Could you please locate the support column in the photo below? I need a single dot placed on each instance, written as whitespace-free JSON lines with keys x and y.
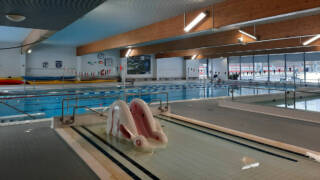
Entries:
{"x":304,"y":67}
{"x":155,"y":69}
{"x":228,"y":70}
{"x":285,"y":66}
{"x":123,"y":73}
{"x":240,"y":76}
{"x":254,"y":68}
{"x":185,"y":69}
{"x":268,"y":59}
{"x":79,"y":67}
{"x":23,"y":64}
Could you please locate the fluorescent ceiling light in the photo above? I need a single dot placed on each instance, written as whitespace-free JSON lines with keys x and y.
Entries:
{"x":195,"y":21}
{"x":247,"y":34}
{"x":15,"y":17}
{"x":128,"y":52}
{"x":311,"y":40}
{"x":194,"y":56}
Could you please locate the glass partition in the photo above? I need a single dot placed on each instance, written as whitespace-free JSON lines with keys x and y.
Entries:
{"x":295,"y":66}
{"x":261,"y":68}
{"x":277,"y":68}
{"x":234,"y":68}
{"x":298,"y":67}
{"x":246,"y":67}
{"x":312,"y":67}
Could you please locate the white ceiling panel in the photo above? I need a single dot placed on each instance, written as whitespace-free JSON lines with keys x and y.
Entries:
{"x":13,"y":34}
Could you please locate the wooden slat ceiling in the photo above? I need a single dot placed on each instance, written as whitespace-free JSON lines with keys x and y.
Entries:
{"x":224,"y":13}
{"x":269,"y":35}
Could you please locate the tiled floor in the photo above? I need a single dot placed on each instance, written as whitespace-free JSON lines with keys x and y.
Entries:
{"x":34,"y":151}
{"x":286,"y":130}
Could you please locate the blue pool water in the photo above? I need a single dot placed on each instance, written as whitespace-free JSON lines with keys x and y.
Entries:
{"x":50,"y":102}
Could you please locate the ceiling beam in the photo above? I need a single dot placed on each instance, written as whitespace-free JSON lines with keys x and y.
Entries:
{"x":35,"y":37}
{"x":270,"y":36}
{"x":271,"y":47}
{"x":217,"y":39}
{"x":235,"y":11}
{"x":259,"y":45}
{"x":221,"y":14}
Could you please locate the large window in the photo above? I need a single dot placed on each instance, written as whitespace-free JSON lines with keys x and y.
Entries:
{"x":312,"y":67}
{"x":261,"y":68}
{"x":246,"y":67}
{"x":277,"y":68}
{"x":298,"y":67}
{"x":295,"y":65}
{"x":234,"y":68}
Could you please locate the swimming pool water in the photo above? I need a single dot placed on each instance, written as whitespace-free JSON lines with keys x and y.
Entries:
{"x":50,"y":102}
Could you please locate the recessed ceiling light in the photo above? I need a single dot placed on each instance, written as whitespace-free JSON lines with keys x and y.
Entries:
{"x":29,"y":51}
{"x":15,"y":17}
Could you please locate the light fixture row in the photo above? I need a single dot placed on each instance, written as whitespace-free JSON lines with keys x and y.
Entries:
{"x":202,"y":15}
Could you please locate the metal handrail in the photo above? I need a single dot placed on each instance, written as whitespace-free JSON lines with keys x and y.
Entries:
{"x":81,"y":98}
{"x":152,"y":93}
{"x":286,"y":93}
{"x":292,"y":90}
{"x":77,"y":107}
{"x":295,"y":82}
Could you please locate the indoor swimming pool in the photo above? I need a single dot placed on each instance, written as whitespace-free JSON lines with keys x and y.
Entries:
{"x":195,"y":152}
{"x":22,"y":105}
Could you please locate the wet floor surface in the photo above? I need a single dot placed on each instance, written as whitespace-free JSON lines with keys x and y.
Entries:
{"x":299,"y":133}
{"x":35,"y":151}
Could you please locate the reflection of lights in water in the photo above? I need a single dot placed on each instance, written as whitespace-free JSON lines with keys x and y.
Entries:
{"x":249,"y":163}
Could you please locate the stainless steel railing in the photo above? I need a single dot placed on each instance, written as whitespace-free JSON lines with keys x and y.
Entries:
{"x":152,"y":100}
{"x":66,"y":102}
{"x":76,"y":106}
{"x":288,"y":94}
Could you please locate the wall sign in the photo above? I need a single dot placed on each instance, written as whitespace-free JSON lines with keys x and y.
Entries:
{"x":100,"y":56}
{"x":59,"y":64}
{"x":108,"y":61}
{"x":45,"y":65}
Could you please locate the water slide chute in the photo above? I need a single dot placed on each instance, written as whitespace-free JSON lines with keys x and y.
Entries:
{"x":134,"y":123}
